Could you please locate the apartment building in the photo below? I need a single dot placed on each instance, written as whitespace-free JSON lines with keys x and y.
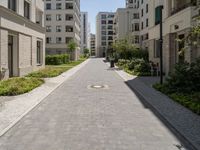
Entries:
{"x":104,"y":33}
{"x":84,"y":31}
{"x":22,"y":37}
{"x":126,"y":23}
{"x":92,"y":44}
{"x":62,"y":21}
{"x":178,"y":19}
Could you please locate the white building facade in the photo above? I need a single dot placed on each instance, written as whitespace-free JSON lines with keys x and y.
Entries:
{"x":84,"y":31}
{"x":22,"y":37}
{"x":104,"y":33}
{"x":62,"y":21}
{"x":92,"y":45}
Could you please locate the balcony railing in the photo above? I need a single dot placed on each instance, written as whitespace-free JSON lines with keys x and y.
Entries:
{"x":184,"y":6}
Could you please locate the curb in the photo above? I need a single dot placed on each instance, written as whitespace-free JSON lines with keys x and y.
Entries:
{"x":4,"y":131}
{"x":183,"y":138}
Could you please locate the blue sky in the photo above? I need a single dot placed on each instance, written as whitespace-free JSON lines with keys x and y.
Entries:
{"x":95,"y":6}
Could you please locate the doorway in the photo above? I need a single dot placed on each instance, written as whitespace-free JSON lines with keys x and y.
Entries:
{"x":12,"y":56}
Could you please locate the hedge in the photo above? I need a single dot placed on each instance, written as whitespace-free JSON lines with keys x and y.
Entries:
{"x":57,"y":59}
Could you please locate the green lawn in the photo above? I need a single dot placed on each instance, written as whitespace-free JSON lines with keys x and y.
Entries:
{"x":54,"y":70}
{"x":17,"y":86}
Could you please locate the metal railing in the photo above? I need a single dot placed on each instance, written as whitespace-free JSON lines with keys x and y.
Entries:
{"x":184,"y":6}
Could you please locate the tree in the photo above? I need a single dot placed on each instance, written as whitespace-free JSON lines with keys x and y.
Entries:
{"x":71,"y":46}
{"x":86,"y":52}
{"x":123,"y":47}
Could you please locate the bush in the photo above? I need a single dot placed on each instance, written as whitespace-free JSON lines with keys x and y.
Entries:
{"x":183,"y":85}
{"x":135,"y":66}
{"x":57,"y":59}
{"x":134,"y":53}
{"x":16,"y":86}
{"x":185,"y":77}
{"x":123,"y":62}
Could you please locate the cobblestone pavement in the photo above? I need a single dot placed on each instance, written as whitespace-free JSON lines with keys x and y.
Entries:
{"x":79,"y":116}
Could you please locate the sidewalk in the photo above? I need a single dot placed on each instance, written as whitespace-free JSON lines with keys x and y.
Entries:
{"x":179,"y":118}
{"x":12,"y":109}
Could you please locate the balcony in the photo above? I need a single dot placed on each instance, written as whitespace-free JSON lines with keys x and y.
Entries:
{"x":181,"y":5}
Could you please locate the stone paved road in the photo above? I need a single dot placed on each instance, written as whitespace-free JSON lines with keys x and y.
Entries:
{"x":77,"y":117}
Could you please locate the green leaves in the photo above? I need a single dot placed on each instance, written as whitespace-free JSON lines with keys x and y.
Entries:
{"x":71,"y":46}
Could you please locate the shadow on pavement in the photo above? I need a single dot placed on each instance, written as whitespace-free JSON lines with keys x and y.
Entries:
{"x":149,"y":81}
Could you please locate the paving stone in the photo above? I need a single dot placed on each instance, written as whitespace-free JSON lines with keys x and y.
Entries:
{"x":74,"y":117}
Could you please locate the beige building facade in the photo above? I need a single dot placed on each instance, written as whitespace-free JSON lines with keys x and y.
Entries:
{"x":22,"y":37}
{"x":62,"y":22}
{"x":178,"y":19}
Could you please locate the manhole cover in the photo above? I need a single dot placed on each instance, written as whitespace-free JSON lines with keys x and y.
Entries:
{"x":97,"y":86}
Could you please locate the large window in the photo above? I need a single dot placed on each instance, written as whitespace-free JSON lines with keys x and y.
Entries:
{"x":12,"y":5}
{"x":39,"y":52}
{"x":48,"y":6}
{"x":26,"y":9}
{"x":58,"y":6}
{"x":58,"y":17}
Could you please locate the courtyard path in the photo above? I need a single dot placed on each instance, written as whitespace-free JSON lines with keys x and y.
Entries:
{"x":81,"y":116}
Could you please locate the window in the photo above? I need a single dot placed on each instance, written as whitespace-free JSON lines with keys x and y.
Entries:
{"x":58,"y":17}
{"x":12,"y":5}
{"x":137,"y":39}
{"x":48,"y":40}
{"x":103,"y":16}
{"x":48,"y":28}
{"x":48,"y":17}
{"x":103,"y":32}
{"x":26,"y":10}
{"x":147,"y":8}
{"x":69,"y":28}
{"x":58,"y":6}
{"x":136,"y":27}
{"x":58,"y":40}
{"x":136,"y":16}
{"x":68,"y":39}
{"x":39,"y":52}
{"x":103,"y":21}
{"x":142,"y":25}
{"x":58,"y":28}
{"x":103,"y":38}
{"x":110,"y":22}
{"x":110,"y":38}
{"x":68,"y":17}
{"x":142,"y":12}
{"x":69,"y":6}
{"x":110,"y":27}
{"x":103,"y":43}
{"x":48,"y":6}
{"x":147,"y":22}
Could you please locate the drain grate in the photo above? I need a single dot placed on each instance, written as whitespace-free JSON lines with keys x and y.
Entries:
{"x":97,"y":86}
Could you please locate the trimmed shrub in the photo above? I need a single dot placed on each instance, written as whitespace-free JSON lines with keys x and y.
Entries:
{"x":57,"y":59}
